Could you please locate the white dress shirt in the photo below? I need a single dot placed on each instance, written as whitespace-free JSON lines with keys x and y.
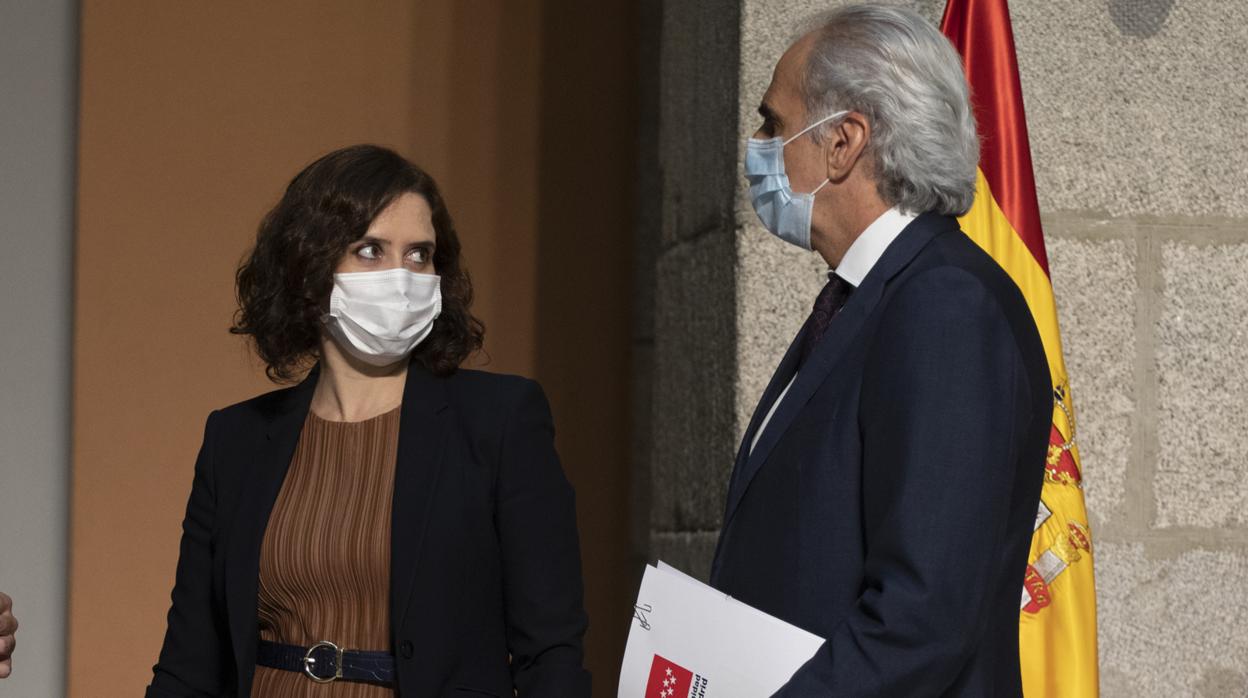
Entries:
{"x":854,"y":267}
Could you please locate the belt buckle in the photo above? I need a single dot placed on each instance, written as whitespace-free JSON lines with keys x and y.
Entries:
{"x":309,"y":660}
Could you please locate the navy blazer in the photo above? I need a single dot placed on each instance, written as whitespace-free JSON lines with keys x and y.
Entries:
{"x":485,"y":560}
{"x":888,"y":506}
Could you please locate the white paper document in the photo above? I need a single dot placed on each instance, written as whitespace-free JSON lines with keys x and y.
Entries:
{"x":688,"y":640}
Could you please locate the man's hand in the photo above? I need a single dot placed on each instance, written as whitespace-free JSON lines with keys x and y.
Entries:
{"x":8,"y":628}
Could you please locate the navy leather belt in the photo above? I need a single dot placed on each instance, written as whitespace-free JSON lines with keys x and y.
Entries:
{"x":325,"y":662}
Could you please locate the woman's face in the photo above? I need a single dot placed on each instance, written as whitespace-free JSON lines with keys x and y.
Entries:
{"x":402,"y":235}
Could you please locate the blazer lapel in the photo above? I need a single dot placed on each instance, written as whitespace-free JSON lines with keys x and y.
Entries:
{"x":840,"y":336}
{"x":736,"y":485}
{"x":280,"y":436}
{"x":423,"y":426}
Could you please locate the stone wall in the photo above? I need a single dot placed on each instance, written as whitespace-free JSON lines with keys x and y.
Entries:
{"x":1138,"y":113}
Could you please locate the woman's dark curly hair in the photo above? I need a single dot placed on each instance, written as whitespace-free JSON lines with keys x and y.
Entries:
{"x":283,"y":285}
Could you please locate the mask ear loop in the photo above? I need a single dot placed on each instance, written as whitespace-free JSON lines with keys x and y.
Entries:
{"x":799,"y":134}
{"x":803,"y":131}
{"x":825,"y":119}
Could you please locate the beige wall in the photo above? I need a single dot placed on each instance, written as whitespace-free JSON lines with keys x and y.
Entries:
{"x":194,"y":115}
{"x":585,"y":267}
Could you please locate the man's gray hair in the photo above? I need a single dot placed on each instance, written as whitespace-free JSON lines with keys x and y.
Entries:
{"x":903,"y":75}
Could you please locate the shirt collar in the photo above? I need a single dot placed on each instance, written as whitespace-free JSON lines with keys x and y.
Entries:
{"x":870,"y":245}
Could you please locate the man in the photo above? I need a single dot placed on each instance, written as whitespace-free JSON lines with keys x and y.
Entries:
{"x":884,"y":494}
{"x":8,"y":631}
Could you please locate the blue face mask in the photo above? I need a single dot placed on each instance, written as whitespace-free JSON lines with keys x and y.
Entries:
{"x":785,"y":213}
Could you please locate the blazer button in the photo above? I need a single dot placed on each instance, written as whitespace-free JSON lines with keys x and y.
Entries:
{"x":405,"y":649}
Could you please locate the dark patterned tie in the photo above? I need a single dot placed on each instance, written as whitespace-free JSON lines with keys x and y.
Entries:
{"x":830,"y":301}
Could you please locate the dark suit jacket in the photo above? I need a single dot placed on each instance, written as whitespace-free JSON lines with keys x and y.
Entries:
{"x":484,"y":553}
{"x":888,"y":506}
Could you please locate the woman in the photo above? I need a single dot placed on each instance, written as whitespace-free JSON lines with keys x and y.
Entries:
{"x":393,"y":525}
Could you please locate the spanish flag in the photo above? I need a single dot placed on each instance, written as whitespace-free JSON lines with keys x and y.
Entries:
{"x":1057,"y":624}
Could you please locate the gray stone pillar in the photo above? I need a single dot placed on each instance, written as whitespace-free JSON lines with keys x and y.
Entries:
{"x":1138,"y":113}
{"x":693,"y":417}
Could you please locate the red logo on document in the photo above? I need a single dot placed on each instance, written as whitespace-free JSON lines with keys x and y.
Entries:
{"x":668,"y":680}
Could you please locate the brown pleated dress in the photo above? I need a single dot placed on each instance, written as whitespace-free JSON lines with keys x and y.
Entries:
{"x":325,"y":561}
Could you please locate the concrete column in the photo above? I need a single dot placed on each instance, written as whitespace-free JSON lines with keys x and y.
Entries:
{"x":1138,"y":113}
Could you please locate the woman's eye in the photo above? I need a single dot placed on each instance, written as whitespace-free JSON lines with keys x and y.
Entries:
{"x":369,"y":252}
{"x":419,"y":256}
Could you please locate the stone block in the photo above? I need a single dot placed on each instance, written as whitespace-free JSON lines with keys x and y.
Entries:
{"x":694,"y":385}
{"x":689,"y":552}
{"x":1136,"y":106}
{"x":1171,"y":626}
{"x":698,"y":117}
{"x":1094,"y":281}
{"x":1202,"y":375}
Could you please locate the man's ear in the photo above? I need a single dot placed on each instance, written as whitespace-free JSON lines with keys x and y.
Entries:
{"x":844,"y":145}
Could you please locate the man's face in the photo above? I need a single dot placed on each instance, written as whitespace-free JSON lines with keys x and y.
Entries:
{"x":784,"y":114}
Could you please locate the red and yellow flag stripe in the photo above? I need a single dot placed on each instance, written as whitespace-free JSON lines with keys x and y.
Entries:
{"x":1057,"y":626}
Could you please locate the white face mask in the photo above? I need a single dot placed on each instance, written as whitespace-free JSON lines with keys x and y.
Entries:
{"x":784,"y":212}
{"x":380,"y":316}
